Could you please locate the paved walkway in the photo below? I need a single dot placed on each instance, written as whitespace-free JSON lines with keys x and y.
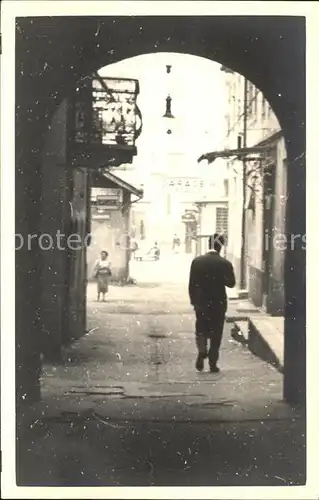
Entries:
{"x":126,"y":406}
{"x":141,"y":345}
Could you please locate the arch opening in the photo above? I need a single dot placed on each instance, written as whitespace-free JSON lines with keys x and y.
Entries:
{"x":218,"y":198}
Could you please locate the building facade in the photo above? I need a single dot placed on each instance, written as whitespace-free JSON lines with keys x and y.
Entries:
{"x":176,"y":129}
{"x":257,"y":195}
{"x":111,"y":223}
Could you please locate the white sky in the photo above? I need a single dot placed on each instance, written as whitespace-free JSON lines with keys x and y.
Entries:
{"x":199,"y":102}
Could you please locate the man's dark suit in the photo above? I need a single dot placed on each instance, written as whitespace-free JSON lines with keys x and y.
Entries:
{"x":209,"y":275}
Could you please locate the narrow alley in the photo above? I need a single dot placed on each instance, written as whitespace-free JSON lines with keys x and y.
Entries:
{"x":130,"y":160}
{"x":127,"y":407}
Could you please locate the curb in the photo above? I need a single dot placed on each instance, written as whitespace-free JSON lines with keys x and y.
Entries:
{"x":259,"y":346}
{"x":237,"y":333}
{"x":233,"y":319}
{"x":256,"y":342}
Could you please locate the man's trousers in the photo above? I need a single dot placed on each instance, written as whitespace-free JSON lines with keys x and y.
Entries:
{"x":209,"y":328}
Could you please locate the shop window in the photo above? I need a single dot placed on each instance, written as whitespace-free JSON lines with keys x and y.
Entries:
{"x":222,"y":220}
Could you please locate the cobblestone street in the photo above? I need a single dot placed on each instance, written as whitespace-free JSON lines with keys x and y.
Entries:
{"x":141,"y":341}
{"x":126,"y":407}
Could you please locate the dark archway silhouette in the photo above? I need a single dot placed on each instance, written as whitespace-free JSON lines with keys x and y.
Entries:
{"x":54,"y":53}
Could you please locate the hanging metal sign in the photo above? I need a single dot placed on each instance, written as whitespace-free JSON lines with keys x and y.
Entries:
{"x":107,"y":121}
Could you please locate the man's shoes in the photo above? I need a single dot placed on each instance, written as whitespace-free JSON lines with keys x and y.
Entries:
{"x":199,"y":363}
{"x":214,"y":369}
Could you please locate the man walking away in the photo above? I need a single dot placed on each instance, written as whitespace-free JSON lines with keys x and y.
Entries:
{"x":209,"y":275}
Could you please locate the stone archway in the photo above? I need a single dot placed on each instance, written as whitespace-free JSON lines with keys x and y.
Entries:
{"x":268,"y":51}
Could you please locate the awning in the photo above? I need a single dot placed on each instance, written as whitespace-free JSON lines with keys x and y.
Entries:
{"x":120,"y":183}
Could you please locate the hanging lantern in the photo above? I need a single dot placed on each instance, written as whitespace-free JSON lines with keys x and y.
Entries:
{"x":168,"y":112}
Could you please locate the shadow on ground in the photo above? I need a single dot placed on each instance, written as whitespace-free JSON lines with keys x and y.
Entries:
{"x":79,"y":451}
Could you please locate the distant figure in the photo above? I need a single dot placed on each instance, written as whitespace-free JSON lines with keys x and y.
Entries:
{"x":209,"y":275}
{"x":156,"y":250}
{"x":102,"y":272}
{"x":176,"y":243}
{"x":134,"y":247}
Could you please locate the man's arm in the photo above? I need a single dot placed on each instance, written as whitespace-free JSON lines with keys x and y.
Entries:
{"x":229,"y":276}
{"x":191,"y":283}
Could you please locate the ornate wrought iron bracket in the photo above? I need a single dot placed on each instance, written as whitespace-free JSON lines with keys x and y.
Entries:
{"x":106,"y":121}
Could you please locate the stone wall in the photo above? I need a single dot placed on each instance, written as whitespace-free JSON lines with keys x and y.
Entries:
{"x":75,"y":308}
{"x":63,"y":265}
{"x":54,"y":221}
{"x":276,"y":296}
